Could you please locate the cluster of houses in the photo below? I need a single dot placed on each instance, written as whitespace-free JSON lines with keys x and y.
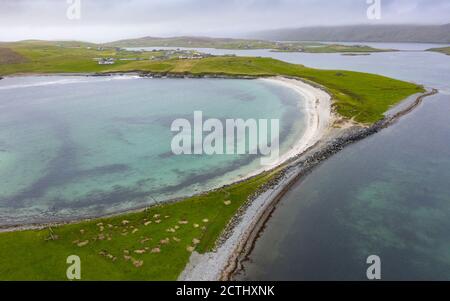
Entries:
{"x":289,"y":47}
{"x":165,"y":55}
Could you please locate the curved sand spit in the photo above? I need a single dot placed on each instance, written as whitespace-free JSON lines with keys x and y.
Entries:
{"x":210,"y":266}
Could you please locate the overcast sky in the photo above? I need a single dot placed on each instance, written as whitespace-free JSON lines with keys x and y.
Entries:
{"x":107,"y":20}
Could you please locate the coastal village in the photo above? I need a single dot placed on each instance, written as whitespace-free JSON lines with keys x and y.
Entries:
{"x":155,"y":55}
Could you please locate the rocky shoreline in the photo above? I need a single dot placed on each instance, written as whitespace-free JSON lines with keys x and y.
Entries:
{"x":293,"y":171}
{"x":174,"y":75}
{"x":190,"y":75}
{"x":147,"y":74}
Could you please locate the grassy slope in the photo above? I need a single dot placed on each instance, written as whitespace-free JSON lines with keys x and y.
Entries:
{"x":8,"y":56}
{"x":194,"y":42}
{"x":54,"y":57}
{"x":335,"y":48}
{"x":28,"y":255}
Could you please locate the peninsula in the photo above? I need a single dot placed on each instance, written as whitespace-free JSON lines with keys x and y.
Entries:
{"x":156,"y":243}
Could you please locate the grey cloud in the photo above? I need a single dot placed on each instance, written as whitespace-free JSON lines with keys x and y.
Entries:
{"x":104,"y":20}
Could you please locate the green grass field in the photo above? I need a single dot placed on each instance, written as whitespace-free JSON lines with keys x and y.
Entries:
{"x":155,"y":244}
{"x":330,"y":48}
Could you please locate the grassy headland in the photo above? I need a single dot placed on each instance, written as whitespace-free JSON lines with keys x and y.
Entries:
{"x":444,"y":50}
{"x":155,"y":244}
{"x":327,"y":48}
{"x":61,"y":57}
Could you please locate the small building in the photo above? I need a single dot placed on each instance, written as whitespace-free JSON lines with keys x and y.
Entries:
{"x":106,"y":61}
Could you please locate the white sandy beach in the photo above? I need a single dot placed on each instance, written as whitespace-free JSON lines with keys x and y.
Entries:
{"x":318,"y":118}
{"x":210,"y":266}
{"x":318,"y":115}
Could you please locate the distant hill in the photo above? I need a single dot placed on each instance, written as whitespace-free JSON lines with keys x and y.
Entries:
{"x":362,"y":33}
{"x":194,"y":42}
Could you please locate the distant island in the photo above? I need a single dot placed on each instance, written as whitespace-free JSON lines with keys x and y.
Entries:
{"x":361,"y":33}
{"x":444,"y":50}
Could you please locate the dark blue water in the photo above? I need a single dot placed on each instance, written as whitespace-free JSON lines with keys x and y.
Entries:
{"x":388,"y":195}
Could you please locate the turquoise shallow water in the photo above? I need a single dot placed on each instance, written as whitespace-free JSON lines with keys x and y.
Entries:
{"x":76,"y":146}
